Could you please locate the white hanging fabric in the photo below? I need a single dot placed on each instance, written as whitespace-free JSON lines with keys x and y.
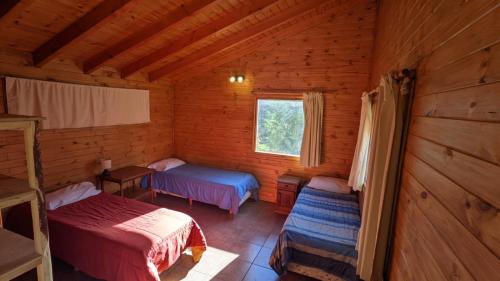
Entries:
{"x":67,"y":105}
{"x":378,"y":163}
{"x":310,"y":152}
{"x":357,"y":177}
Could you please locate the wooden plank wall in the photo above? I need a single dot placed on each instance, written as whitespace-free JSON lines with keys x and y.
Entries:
{"x":448,"y":225}
{"x":214,"y":120}
{"x":71,"y":155}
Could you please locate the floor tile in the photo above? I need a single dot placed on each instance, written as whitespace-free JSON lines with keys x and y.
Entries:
{"x":271,"y":241}
{"x":212,"y":262}
{"x":254,"y":237}
{"x":245,"y":251}
{"x":236,"y":270}
{"x":180,"y":273}
{"x":262,"y":258}
{"x":258,"y":273}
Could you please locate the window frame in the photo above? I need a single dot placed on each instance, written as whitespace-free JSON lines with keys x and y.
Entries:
{"x":255,"y":118}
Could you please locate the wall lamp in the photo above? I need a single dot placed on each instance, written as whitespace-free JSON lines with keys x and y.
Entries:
{"x":237,"y":78}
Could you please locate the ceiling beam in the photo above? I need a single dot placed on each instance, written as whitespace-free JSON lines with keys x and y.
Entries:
{"x":63,"y":39}
{"x":7,"y":5}
{"x":179,"y":14}
{"x":249,"y":8}
{"x":236,"y":38}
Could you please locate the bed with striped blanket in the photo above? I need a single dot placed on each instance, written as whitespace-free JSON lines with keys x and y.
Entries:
{"x":319,"y":236}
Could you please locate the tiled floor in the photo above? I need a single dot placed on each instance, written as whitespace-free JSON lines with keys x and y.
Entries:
{"x":238,"y":248}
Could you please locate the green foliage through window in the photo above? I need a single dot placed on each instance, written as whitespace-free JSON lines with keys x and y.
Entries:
{"x":280,"y":126}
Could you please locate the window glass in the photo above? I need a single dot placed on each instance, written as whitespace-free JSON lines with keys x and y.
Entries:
{"x":280,"y":126}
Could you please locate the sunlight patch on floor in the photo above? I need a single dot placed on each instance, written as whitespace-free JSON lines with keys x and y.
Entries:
{"x":212,"y":266}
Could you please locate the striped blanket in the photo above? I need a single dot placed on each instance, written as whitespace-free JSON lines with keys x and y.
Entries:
{"x":319,"y":236}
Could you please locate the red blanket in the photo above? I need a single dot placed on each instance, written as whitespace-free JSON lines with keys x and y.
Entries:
{"x":114,"y":238}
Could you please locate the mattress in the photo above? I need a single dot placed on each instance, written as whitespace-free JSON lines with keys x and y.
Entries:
{"x":115,"y":238}
{"x":224,"y":188}
{"x":319,"y":236}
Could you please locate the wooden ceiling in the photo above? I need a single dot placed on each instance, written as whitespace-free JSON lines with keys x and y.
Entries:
{"x":159,"y":39}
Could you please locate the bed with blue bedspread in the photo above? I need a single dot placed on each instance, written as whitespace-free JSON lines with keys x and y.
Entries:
{"x":224,"y":188}
{"x":319,"y":236}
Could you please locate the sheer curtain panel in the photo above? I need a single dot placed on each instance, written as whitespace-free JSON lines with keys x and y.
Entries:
{"x":357,"y":177}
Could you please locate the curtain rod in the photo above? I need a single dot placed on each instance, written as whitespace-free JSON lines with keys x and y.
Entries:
{"x":399,"y":76}
{"x":404,"y":73}
{"x":290,"y":91}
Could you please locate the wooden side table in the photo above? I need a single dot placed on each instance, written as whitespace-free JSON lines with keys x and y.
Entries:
{"x":127,"y":174}
{"x":288,"y":187}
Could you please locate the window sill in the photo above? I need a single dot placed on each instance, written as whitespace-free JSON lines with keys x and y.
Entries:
{"x":278,"y":155}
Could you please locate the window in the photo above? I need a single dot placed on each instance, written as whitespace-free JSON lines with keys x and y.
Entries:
{"x":280,"y":126}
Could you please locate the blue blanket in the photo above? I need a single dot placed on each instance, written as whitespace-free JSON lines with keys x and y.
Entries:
{"x":319,"y":236}
{"x":220,"y":187}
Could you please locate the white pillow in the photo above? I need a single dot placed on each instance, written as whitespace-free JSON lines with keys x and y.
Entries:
{"x":166,"y":164}
{"x":70,"y":194}
{"x":330,"y":184}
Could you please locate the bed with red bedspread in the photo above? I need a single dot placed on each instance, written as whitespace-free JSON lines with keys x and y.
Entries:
{"x":115,"y":238}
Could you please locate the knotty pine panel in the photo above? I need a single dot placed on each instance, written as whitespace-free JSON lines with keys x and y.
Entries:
{"x":475,"y":175}
{"x":475,"y":103}
{"x":360,"y":10}
{"x":450,"y":195}
{"x":214,"y":120}
{"x":481,"y":262}
{"x":479,"y":139}
{"x":412,"y":220}
{"x":469,"y":209}
{"x":70,"y":155}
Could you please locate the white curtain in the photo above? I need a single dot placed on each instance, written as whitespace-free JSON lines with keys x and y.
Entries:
{"x":310,"y":152}
{"x":357,"y":177}
{"x":67,"y":105}
{"x":378,"y":165}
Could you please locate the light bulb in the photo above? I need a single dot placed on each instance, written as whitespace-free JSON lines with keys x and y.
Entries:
{"x":232,"y":79}
{"x":240,"y":79}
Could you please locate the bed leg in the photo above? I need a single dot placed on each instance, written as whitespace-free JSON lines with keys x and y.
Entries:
{"x":231,"y":215}
{"x":153,"y":195}
{"x":190,"y":202}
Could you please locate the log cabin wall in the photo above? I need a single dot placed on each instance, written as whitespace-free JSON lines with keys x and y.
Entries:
{"x":214,"y":119}
{"x":447,"y":223}
{"x":70,"y":155}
